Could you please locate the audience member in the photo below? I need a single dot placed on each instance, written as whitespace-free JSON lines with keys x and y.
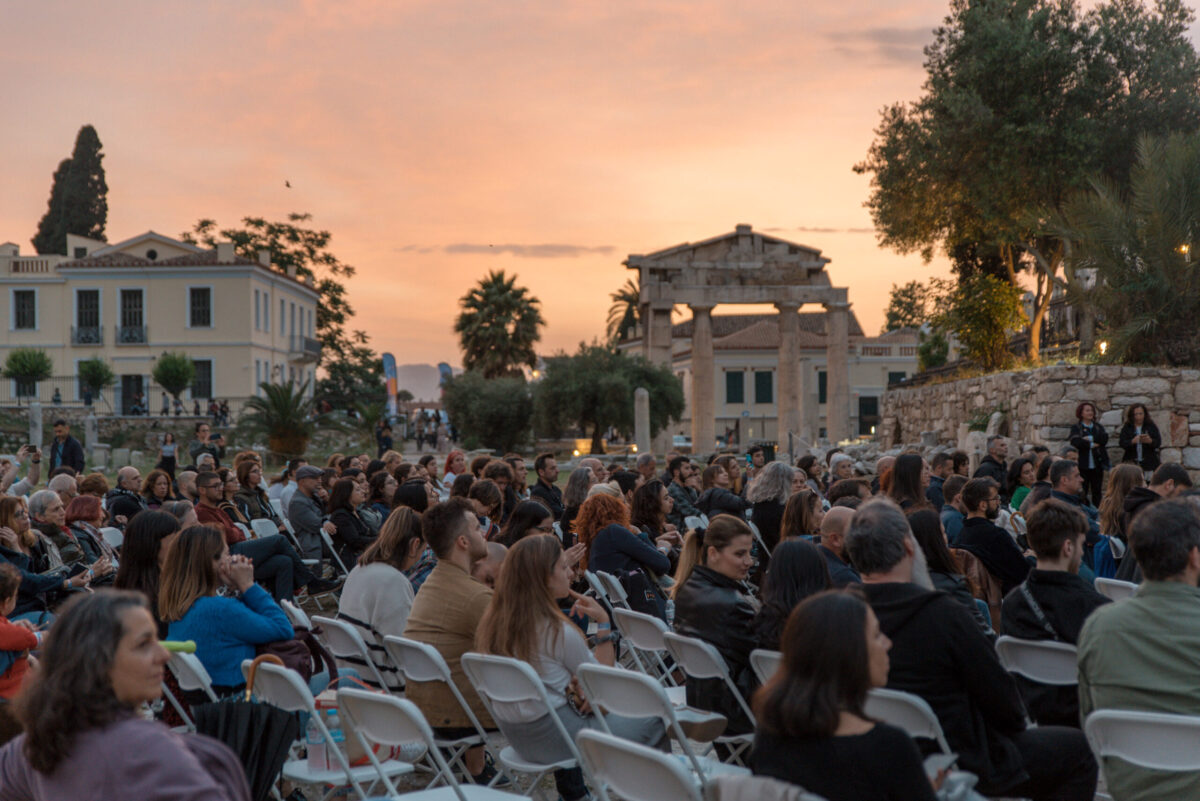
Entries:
{"x":206,"y":442}
{"x":148,"y":539}
{"x":717,"y":496}
{"x":682,"y":493}
{"x":1022,"y":474}
{"x":487,"y":569}
{"x":812,"y":729}
{"x":546,"y":467}
{"x":798,"y":570}
{"x":579,"y":482}
{"x":156,"y":489}
{"x":990,"y":544}
{"x":954,"y":514}
{"x":351,"y":535}
{"x":306,"y":512}
{"x":833,"y":546}
{"x":802,"y":516}
{"x":1141,"y":654}
{"x":910,"y":480}
{"x":941,"y":467}
{"x":939,"y":653}
{"x":993,"y":465}
{"x":769,"y":495}
{"x":945,"y":573}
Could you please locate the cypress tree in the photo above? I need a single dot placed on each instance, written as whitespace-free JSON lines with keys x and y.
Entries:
{"x":78,"y":198}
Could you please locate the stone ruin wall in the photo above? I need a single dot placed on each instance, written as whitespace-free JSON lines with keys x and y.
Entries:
{"x":1037,"y":407}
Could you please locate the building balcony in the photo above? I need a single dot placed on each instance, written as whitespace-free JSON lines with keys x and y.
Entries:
{"x":132,"y":335}
{"x":87,"y":335}
{"x":303,"y":349}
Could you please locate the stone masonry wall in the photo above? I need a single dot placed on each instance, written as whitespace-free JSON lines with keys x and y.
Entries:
{"x":1037,"y":407}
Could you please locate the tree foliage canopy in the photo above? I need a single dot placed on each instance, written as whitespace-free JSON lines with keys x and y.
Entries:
{"x":489,"y":412}
{"x":28,"y":365}
{"x":96,"y":374}
{"x":980,"y":310}
{"x":352,"y":368}
{"x":174,"y":372}
{"x":1143,"y":245}
{"x":1024,"y":101}
{"x":78,"y":197}
{"x":908,"y":306}
{"x":594,"y":390}
{"x":498,"y":327}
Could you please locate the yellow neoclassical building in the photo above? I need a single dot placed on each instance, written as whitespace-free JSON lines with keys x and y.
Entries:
{"x":241,"y":321}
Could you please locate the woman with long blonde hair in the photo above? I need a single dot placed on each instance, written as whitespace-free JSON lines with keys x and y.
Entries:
{"x":524,"y":622}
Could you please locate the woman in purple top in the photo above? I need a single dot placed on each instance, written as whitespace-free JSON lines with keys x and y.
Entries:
{"x":83,"y":738}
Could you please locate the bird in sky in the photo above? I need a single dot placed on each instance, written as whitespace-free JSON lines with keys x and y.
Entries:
{"x":288,"y":184}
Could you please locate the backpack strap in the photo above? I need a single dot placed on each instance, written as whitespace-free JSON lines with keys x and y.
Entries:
{"x":1038,"y":612}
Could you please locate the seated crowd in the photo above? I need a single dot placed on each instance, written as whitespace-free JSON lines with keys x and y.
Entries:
{"x":899,"y":578}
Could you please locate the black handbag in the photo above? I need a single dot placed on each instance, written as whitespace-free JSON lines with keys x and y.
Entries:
{"x":644,"y":594}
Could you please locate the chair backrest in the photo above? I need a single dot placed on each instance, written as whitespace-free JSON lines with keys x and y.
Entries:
{"x":635,"y":772}
{"x":596,"y":586}
{"x":337,"y":560}
{"x":263,"y":527}
{"x":113,"y":536}
{"x":242,"y":527}
{"x":1039,"y":660}
{"x":701,"y":660}
{"x":906,"y":711}
{"x":499,"y":678}
{"x":420,"y":661}
{"x":296,"y":616}
{"x":277,"y":505}
{"x":1115,"y":588}
{"x":281,"y":687}
{"x":558,"y":532}
{"x":191,"y":674}
{"x":693,"y":521}
{"x":757,"y":534}
{"x":392,"y":721}
{"x":644,"y":631}
{"x":613,"y":588}
{"x":765,"y":662}
{"x":1152,"y":740}
{"x":344,"y":642}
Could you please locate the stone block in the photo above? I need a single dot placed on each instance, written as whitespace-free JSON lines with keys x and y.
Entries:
{"x":1191,"y":458}
{"x":1141,"y":386}
{"x":1061,"y":414}
{"x":1111,"y":419}
{"x":120,"y":456}
{"x":1171,"y":455}
{"x":1178,"y":429}
{"x":1187,"y":394}
{"x":1049,"y":392}
{"x":1125,"y":401}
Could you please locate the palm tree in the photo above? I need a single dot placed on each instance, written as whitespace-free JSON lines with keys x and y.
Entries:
{"x":286,"y":416}
{"x":623,"y":314}
{"x":1143,"y":247}
{"x":498,"y":327}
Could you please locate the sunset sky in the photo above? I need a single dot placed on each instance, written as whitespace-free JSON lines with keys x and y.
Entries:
{"x":438,"y":140}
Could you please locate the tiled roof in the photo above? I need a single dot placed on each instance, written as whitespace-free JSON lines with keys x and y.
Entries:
{"x":207,"y":258}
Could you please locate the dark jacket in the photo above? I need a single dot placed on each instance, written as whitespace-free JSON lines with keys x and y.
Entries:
{"x":955,"y":586}
{"x":352,"y":536}
{"x":1092,"y":515}
{"x":685,"y":504}
{"x":994,"y":547}
{"x":939,"y":654}
{"x":615,"y":549}
{"x":255,"y":505}
{"x":1066,"y":600}
{"x":768,"y":518}
{"x":934,"y":494}
{"x":123,"y":502}
{"x":69,"y":452}
{"x":718,"y":610}
{"x":1098,"y":445}
{"x":1150,"y":459}
{"x":993,"y":468}
{"x":717,"y":501}
{"x":33,"y":594}
{"x":1137,"y":500}
{"x":840,"y":572}
{"x":551,"y":494}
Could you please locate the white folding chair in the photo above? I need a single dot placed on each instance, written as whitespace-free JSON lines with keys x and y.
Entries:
{"x":263,"y":527}
{"x":337,"y":560}
{"x":297,"y":617}
{"x":636,"y":695}
{"x":558,"y":532}
{"x":392,"y":721}
{"x":420,"y":661}
{"x":596,"y":586}
{"x":345,"y":643}
{"x":1151,"y":740}
{"x":113,"y":536}
{"x":635,"y":772}
{"x":1115,"y":588}
{"x":1042,"y":661}
{"x":617,"y":596}
{"x":498,"y":678}
{"x":277,"y":505}
{"x":285,"y":689}
{"x":906,"y":711}
{"x":246,"y":532}
{"x":765,"y":662}
{"x":191,"y":676}
{"x":701,"y":660}
{"x":645,"y":634}
{"x":693,"y":521}
{"x":758,"y":537}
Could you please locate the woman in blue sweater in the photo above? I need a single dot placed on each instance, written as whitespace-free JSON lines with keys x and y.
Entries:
{"x":195,"y":598}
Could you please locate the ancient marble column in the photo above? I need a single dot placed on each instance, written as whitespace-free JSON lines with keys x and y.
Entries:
{"x":704,"y":425}
{"x":789,"y":370}
{"x":641,"y":419}
{"x":810,"y":412}
{"x":837,"y":371}
{"x":656,"y":326}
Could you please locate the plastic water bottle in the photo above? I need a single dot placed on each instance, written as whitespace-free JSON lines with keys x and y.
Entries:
{"x":336,"y":735}
{"x":670,"y":612}
{"x":315,"y":743}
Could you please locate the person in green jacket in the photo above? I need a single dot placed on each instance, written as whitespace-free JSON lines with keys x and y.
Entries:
{"x":1141,"y":654}
{"x":1021,"y":476}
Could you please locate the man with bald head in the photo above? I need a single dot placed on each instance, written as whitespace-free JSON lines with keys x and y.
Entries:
{"x":486,"y":570}
{"x":645,"y":467}
{"x":597,"y":468}
{"x":186,"y":482}
{"x":884,"y":463}
{"x":66,"y":487}
{"x":833,"y":546}
{"x":124,"y":500}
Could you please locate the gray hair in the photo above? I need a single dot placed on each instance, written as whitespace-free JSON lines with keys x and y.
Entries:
{"x":875,"y":539}
{"x":61,"y":483}
{"x":40,"y":501}
{"x":774,"y":483}
{"x":837,"y":459}
{"x":577,"y":487}
{"x":645,"y":459}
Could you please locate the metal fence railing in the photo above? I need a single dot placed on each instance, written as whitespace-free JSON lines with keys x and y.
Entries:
{"x":129,"y":396}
